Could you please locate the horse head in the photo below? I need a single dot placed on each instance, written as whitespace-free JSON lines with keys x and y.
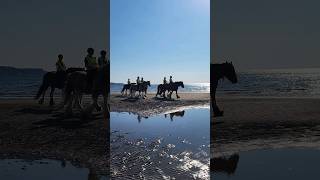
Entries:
{"x":148,"y":83}
{"x":229,"y":72}
{"x":180,"y":83}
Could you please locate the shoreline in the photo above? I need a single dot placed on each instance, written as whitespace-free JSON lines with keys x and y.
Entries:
{"x":153,"y":106}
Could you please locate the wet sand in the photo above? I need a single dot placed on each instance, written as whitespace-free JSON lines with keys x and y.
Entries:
{"x":32,"y":131}
{"x":152,"y":105}
{"x":261,"y":123}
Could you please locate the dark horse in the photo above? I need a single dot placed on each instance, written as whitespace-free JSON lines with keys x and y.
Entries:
{"x":162,"y":88}
{"x":141,"y":88}
{"x":76,"y":85}
{"x":53,"y":80}
{"x":219,"y":71}
{"x":125,"y":88}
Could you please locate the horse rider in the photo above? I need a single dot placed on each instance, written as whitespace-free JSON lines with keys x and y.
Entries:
{"x":141,"y":80}
{"x":164,"y":80}
{"x":138,"y":80}
{"x":103,"y":60}
{"x":61,"y":70}
{"x":128,"y":82}
{"x":170,"y":80}
{"x":91,"y":67}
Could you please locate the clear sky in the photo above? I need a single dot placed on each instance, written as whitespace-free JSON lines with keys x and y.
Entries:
{"x":157,"y":38}
{"x":267,"y":34}
{"x":34,"y":32}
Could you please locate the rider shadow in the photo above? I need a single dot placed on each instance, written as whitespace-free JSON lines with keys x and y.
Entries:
{"x":60,"y":120}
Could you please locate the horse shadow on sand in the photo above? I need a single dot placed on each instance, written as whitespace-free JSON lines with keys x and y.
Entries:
{"x":60,"y":120}
{"x":164,"y":99}
{"x":30,"y":110}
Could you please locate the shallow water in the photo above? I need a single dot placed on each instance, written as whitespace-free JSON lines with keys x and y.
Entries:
{"x":290,"y":164}
{"x":175,"y":145}
{"x":12,"y":169}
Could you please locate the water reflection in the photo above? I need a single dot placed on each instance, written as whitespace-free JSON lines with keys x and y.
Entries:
{"x":45,"y":169}
{"x":173,"y":114}
{"x":226,"y":165}
{"x":178,"y":114}
{"x":159,"y":148}
{"x":293,"y":164}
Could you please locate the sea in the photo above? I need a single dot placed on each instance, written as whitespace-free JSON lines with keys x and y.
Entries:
{"x":24,"y":83}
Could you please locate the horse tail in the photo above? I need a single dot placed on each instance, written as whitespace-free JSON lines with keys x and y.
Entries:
{"x":123,"y":89}
{"x":42,"y":87}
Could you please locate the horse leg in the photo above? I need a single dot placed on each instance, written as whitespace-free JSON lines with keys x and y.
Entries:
{"x":51,"y":96}
{"x":177,"y":94}
{"x":69,"y":104}
{"x":216,"y":111}
{"x":41,"y":100}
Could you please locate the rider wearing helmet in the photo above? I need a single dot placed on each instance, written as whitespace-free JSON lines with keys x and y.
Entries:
{"x":91,"y":67}
{"x":128,"y":81}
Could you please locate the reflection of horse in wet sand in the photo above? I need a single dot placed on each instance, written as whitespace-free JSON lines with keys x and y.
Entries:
{"x":141,"y":88}
{"x":162,"y":88}
{"x":76,"y":85}
{"x":177,"y":114}
{"x":217,"y":72}
{"x":53,"y":80}
{"x":226,"y":165}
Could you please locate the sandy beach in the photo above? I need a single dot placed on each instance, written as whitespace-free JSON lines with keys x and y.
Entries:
{"x":32,"y":131}
{"x":261,"y":123}
{"x":152,"y":106}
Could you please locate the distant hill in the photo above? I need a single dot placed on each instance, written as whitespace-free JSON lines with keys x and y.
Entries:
{"x":6,"y":71}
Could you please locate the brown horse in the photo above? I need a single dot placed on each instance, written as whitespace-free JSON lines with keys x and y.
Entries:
{"x":219,"y":71}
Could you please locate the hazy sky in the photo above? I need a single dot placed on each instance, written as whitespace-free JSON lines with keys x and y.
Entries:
{"x":34,"y":32}
{"x":157,"y":38}
{"x":268,"y":34}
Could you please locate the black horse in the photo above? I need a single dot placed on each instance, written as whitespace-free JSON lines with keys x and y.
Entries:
{"x":162,"y":88}
{"x":219,"y":71}
{"x":53,"y":80}
{"x":125,"y":88}
{"x":77,"y":85}
{"x":141,"y":88}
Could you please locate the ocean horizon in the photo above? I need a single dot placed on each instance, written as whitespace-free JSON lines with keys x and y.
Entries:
{"x":24,"y":83}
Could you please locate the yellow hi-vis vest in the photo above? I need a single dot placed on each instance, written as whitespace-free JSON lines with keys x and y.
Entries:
{"x":91,"y":62}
